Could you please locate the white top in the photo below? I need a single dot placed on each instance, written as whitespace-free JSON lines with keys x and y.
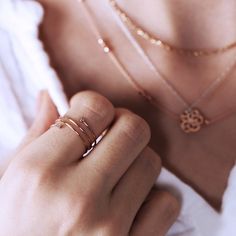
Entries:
{"x":25,"y":70}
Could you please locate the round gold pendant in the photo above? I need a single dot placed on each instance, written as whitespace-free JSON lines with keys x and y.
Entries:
{"x":191,"y":121}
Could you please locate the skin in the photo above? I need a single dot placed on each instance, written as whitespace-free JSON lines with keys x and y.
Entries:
{"x":48,"y":181}
{"x":202,"y":160}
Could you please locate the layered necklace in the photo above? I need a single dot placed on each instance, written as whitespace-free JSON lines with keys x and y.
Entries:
{"x":157,"y":41}
{"x":191,"y":120}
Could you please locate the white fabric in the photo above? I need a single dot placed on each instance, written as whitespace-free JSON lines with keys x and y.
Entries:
{"x":25,"y":70}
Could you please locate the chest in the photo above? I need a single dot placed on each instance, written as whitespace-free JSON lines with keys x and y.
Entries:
{"x":203,"y":159}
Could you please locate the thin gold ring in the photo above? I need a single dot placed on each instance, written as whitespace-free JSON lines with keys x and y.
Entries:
{"x":80,"y":128}
{"x":92,"y":140}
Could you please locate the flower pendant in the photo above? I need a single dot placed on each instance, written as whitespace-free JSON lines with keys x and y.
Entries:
{"x":191,"y":121}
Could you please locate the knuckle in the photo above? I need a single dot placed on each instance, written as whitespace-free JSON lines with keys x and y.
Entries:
{"x":134,"y":127}
{"x":171,"y":203}
{"x":92,"y":102}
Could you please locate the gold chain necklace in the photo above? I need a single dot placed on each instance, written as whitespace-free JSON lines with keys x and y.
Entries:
{"x":191,"y":120}
{"x":163,"y":44}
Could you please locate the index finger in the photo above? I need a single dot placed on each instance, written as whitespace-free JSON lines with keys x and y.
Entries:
{"x":63,"y":145}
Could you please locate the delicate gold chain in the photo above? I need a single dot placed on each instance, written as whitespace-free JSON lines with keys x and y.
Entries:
{"x":217,"y":81}
{"x":163,"y":44}
{"x":191,"y":120}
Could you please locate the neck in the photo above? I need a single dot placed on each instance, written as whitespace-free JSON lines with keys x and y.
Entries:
{"x":189,"y":23}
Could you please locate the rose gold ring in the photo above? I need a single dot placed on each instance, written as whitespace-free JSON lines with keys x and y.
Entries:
{"x":80,"y":128}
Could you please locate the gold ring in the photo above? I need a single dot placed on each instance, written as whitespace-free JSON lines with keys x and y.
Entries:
{"x":80,"y":128}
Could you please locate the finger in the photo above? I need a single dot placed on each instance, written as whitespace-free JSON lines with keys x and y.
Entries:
{"x":134,"y":186}
{"x":63,"y":145}
{"x":46,"y":114}
{"x":118,"y":149}
{"x":156,"y":215}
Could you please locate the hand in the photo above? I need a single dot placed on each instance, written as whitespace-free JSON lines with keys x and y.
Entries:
{"x":48,"y":189}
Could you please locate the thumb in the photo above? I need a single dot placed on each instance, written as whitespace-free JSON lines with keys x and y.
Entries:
{"x":45,"y":116}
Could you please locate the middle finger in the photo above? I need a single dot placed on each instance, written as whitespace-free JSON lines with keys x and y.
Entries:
{"x":122,"y":144}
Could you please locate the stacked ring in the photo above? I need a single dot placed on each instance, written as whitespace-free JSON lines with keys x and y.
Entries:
{"x":81,"y":129}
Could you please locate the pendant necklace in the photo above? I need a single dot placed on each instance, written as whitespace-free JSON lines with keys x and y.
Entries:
{"x":192,"y":119}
